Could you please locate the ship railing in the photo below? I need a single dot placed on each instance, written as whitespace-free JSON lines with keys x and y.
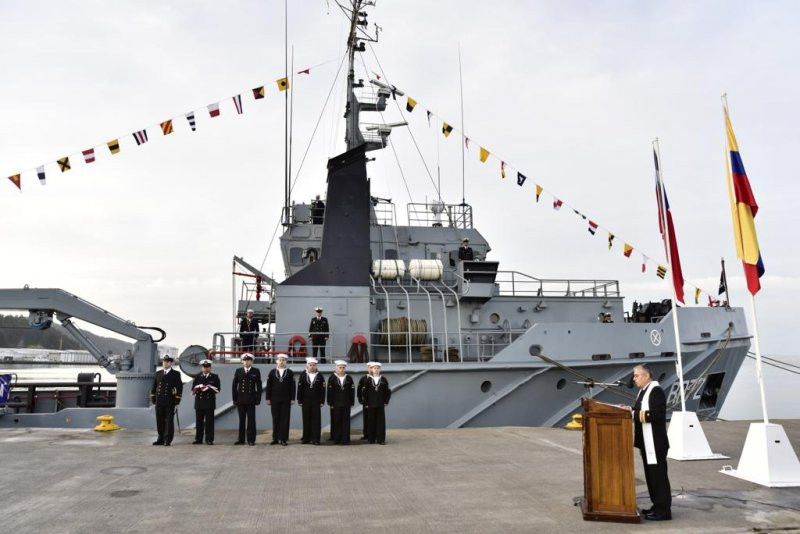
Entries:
{"x":296,"y":346}
{"x":474,"y":345}
{"x":515,"y":283}
{"x":382,"y":214}
{"x":439,"y":214}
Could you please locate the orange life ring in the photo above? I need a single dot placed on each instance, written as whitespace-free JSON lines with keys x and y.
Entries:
{"x":292,"y":350}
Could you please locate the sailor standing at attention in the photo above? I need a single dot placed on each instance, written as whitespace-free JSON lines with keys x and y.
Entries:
{"x":362,"y":382}
{"x":205,"y":387}
{"x":280,"y":397}
{"x":318,"y":331}
{"x":248,"y":331}
{"x":650,"y":437}
{"x":341,"y":397}
{"x":311,"y":397}
{"x":246,"y":392}
{"x":376,"y":398}
{"x":166,"y":395}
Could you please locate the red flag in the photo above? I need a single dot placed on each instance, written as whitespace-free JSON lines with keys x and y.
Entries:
{"x":668,"y":236}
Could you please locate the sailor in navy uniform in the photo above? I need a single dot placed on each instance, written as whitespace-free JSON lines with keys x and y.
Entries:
{"x":246,"y":392}
{"x":362,"y":382}
{"x":311,"y":397}
{"x":650,"y":437}
{"x":318,"y":332}
{"x":341,"y":397}
{"x":166,"y":395}
{"x":465,"y":251}
{"x":205,"y":387}
{"x":376,"y":398}
{"x":280,"y":394}
{"x":248,"y":330}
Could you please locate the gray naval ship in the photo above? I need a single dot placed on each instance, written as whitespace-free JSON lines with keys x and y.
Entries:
{"x":462,"y":342}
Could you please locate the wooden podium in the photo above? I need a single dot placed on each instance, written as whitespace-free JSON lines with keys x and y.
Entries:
{"x":609,"y":492}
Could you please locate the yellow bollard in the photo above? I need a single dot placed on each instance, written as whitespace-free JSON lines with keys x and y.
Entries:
{"x":576,"y":423}
{"x":106,"y":423}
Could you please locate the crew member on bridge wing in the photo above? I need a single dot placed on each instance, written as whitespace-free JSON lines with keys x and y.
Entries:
{"x":166,"y":395}
{"x":246,"y":391}
{"x":650,"y":437}
{"x":318,"y":332}
{"x":341,"y":397}
{"x":280,"y":397}
{"x":376,"y":398}
{"x":248,"y":330}
{"x":311,"y":397}
{"x":205,"y":387}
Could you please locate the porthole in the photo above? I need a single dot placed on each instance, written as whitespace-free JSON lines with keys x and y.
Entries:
{"x":494,"y":318}
{"x":486,"y":386}
{"x":561,"y":383}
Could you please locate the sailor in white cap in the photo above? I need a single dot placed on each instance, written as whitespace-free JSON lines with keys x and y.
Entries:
{"x":341,"y":397}
{"x":248,"y":331}
{"x":362,"y":383}
{"x":376,"y":398}
{"x":166,"y":395}
{"x":246,"y":392}
{"x":311,"y":397}
{"x":465,"y":251}
{"x":205,"y":387}
{"x":318,"y":332}
{"x":280,"y":394}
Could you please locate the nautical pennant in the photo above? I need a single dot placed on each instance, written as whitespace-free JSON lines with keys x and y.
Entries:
{"x":723,"y":283}
{"x":88,"y":155}
{"x":213,"y":109}
{"x":410,"y":104}
{"x":610,"y":240}
{"x":484,"y":155}
{"x":557,"y":204}
{"x":258,"y":92}
{"x":521,"y":178}
{"x":16,"y":180}
{"x":237,"y":103}
{"x":538,"y":192}
{"x":626,"y":250}
{"x":140,"y":137}
{"x":592,"y":227}
{"x":503,"y":169}
{"x":63,"y":164}
{"x":190,"y":118}
{"x":429,"y":117}
{"x":466,"y":142}
{"x":661,"y":271}
{"x":41,"y":175}
{"x":113,"y":146}
{"x":166,"y":127}
{"x":283,"y":84}
{"x":308,"y":71}
{"x":644,"y":263}
{"x":697,"y":295}
{"x":446,"y":129}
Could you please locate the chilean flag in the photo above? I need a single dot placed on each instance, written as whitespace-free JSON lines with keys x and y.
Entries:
{"x":668,"y":237}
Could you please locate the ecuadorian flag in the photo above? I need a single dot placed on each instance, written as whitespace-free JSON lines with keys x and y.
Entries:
{"x":743,"y":211}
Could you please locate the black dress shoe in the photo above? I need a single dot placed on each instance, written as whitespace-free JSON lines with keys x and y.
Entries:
{"x":251,"y":443}
{"x":274,"y":442}
{"x":655,"y":516}
{"x":167,"y":444}
{"x":197,"y":442}
{"x":644,"y":511}
{"x":209,"y":442}
{"x":284,"y":443}
{"x":305,"y":442}
{"x":381,"y":443}
{"x":240,"y":442}
{"x":158,"y":442}
{"x":363,"y":438}
{"x":315,"y":442}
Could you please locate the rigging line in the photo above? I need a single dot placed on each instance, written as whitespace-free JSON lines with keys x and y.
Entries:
{"x":413,"y":139}
{"x":776,"y":360}
{"x":303,"y":160}
{"x":776,"y":366}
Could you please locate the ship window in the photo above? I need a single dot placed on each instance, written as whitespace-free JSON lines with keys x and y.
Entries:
{"x":597,"y":357}
{"x":667,"y":354}
{"x":561,"y":383}
{"x":486,"y":386}
{"x":390,"y":254}
{"x":636,"y":355}
{"x":296,"y":256}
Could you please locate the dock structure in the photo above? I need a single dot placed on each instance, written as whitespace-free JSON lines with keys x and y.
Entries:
{"x":507,"y":479}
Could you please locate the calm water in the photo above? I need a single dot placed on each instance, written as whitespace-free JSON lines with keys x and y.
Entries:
{"x":743,"y":401}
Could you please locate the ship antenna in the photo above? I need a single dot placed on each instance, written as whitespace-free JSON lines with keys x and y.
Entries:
{"x":286,"y":181}
{"x":463,"y":128}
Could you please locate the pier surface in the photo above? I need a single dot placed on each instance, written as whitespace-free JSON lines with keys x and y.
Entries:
{"x":509,"y":479}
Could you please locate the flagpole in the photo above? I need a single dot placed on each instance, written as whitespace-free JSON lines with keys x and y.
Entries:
{"x":759,"y":369}
{"x":725,"y":279}
{"x":673,"y":295}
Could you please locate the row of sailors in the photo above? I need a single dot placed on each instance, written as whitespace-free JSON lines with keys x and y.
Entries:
{"x":311,"y":391}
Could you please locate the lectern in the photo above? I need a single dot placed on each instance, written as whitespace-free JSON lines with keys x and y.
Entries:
{"x":609,"y":491}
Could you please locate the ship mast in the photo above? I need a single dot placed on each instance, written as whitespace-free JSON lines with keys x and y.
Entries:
{"x":353,"y":136}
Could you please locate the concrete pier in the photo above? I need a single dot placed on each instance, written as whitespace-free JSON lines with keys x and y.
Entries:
{"x":508,"y":479}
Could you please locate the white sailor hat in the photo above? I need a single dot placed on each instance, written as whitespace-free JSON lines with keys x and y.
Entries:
{"x":206,"y":363}
{"x":375,"y":364}
{"x":167,"y":358}
{"x":341,"y":362}
{"x":465,"y":240}
{"x":311,"y":360}
{"x":250,"y":310}
{"x":317,"y":309}
{"x":281,"y":357}
{"x":247,"y":356}
{"x":370,"y":364}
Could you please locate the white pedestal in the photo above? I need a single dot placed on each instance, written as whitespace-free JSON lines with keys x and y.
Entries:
{"x":687,"y":441}
{"x":767,"y":458}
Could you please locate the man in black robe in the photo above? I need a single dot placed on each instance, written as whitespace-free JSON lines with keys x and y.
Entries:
{"x":280,"y":395}
{"x":311,"y":397}
{"x":341,"y":397}
{"x":166,"y":395}
{"x":205,"y":387}
{"x":246,"y":392}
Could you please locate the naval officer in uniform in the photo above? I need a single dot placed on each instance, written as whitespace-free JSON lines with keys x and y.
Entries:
{"x":376,"y":398}
{"x":205,"y":387}
{"x":341,"y":397}
{"x":246,"y":392}
{"x":650,"y":437}
{"x":280,"y":395}
{"x":311,"y":397}
{"x":318,"y":332}
{"x":166,"y":395}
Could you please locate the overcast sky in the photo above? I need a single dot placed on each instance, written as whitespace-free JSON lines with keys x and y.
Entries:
{"x":570,"y":93}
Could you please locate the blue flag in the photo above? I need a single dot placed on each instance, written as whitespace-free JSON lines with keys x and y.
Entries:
{"x":5,"y":388}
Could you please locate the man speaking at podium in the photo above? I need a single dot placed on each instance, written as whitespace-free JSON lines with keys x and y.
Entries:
{"x":650,"y":437}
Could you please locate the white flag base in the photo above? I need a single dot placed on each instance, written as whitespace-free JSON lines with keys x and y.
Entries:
{"x":687,"y":441}
{"x":767,"y":458}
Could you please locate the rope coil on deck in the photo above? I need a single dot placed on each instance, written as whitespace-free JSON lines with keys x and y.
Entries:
{"x":399,"y":329}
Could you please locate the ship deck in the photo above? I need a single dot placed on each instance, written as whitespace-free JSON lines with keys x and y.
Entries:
{"x":509,"y":479}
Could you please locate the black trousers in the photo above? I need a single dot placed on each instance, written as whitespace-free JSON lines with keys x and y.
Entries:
{"x":165,"y":423}
{"x":658,"y":483}
{"x":204,"y":425}
{"x":247,"y":414}
{"x":312,"y":421}
{"x":281,"y":411}
{"x":340,"y":425}
{"x":376,"y":424}
{"x":365,"y":430}
{"x":318,"y":347}
{"x":333,"y":426}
